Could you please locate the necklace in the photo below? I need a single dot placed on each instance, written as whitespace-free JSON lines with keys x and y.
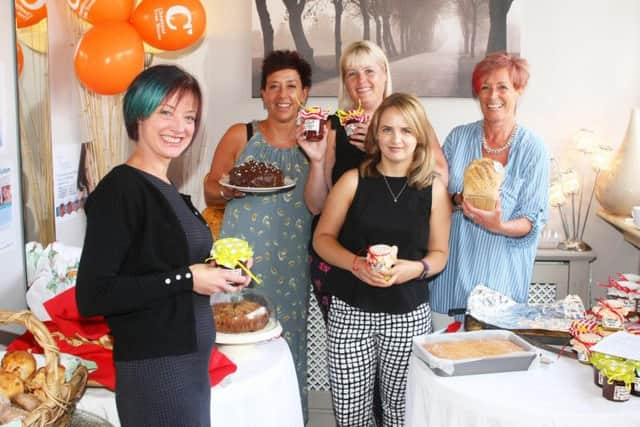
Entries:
{"x":499,"y":149}
{"x":394,"y":196}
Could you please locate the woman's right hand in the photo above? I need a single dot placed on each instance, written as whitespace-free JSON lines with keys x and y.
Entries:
{"x":359,"y":134}
{"x":209,"y":279}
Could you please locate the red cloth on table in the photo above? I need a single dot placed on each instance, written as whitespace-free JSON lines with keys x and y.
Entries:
{"x":66,"y":319}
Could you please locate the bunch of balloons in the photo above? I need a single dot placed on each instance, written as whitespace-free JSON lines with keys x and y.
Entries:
{"x":28,"y":13}
{"x":111,"y":53}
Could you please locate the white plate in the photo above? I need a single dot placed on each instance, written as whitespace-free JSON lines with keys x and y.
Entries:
{"x":288,"y":183}
{"x":271,"y":330}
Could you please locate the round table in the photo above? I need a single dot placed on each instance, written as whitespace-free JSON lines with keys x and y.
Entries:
{"x":262,"y":392}
{"x":560,"y":394}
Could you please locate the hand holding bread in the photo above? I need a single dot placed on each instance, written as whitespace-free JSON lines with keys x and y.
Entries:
{"x":482,"y":180}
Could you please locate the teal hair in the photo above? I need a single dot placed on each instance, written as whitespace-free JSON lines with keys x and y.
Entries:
{"x":150,"y":88}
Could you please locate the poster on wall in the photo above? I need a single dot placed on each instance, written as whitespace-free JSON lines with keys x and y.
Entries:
{"x":70,"y":192}
{"x":6,"y":200}
{"x":431,"y":46}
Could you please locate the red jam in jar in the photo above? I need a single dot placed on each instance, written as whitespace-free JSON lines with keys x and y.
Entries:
{"x":314,"y":129}
{"x":616,"y":391}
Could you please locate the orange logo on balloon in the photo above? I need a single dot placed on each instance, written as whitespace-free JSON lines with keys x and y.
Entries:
{"x":170,"y":24}
{"x":29,"y":12}
{"x":100,"y":11}
{"x":109,"y":57}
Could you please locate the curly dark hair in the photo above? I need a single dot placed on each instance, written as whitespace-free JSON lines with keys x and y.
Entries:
{"x":282,"y":60}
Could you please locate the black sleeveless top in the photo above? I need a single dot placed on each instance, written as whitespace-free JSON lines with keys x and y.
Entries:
{"x":347,"y":156}
{"x":374,"y":218}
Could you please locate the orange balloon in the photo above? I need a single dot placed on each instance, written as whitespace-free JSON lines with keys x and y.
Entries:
{"x":100,"y":11}
{"x":109,"y":57}
{"x":29,"y":12}
{"x":19,"y":58}
{"x":170,"y":24}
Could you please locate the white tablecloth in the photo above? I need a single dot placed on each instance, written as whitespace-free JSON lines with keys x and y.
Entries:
{"x":262,"y":392}
{"x":560,"y":395}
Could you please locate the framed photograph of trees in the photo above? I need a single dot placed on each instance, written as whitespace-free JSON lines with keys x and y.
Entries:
{"x":432,"y":45}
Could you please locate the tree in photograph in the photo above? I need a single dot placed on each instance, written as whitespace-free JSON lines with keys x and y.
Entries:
{"x":384,"y":10}
{"x":337,"y":39}
{"x":265,"y":24}
{"x":295,"y":9}
{"x":364,"y":11}
{"x":468,"y":15}
{"x":498,"y":10}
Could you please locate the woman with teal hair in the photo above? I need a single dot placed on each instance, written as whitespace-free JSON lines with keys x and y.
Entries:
{"x":142,"y":264}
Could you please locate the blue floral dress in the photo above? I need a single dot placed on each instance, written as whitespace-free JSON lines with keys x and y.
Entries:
{"x":277,"y":227}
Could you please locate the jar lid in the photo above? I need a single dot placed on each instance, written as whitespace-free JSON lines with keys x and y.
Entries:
{"x":599,"y":358}
{"x":230,"y":251}
{"x":616,"y":370}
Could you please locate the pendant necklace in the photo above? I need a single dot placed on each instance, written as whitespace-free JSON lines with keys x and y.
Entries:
{"x":393,"y":195}
{"x":499,"y":149}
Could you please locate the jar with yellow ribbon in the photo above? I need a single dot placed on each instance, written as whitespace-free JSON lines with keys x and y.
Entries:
{"x":618,"y":377}
{"x":635,"y":389}
{"x":598,"y":360}
{"x":232,"y":253}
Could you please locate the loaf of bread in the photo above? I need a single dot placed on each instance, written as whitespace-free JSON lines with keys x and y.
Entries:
{"x":482,"y":181}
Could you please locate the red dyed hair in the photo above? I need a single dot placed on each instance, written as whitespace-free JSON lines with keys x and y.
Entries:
{"x":517,"y":67}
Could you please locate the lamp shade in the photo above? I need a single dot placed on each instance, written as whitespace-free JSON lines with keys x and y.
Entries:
{"x":618,"y":189}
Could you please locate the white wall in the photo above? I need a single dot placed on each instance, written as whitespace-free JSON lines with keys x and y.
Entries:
{"x":12,"y":265}
{"x":585,"y":73}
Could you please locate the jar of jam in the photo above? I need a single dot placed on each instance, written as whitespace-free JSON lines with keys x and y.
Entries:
{"x":314,"y":120}
{"x":617,"y":380}
{"x":635,"y":387}
{"x":597,"y":360}
{"x":232,"y":254}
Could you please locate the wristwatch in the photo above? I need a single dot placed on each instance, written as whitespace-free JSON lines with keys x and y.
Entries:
{"x":425,"y":271}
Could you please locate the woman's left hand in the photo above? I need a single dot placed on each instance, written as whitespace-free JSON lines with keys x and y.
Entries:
{"x":491,"y":220}
{"x":403,"y":271}
{"x":315,"y":150}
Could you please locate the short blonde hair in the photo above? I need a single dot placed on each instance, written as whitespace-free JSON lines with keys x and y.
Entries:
{"x":421,"y":171}
{"x":359,"y":53}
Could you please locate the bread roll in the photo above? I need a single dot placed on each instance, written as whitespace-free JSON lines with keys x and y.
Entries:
{"x":37,"y":381}
{"x":21,"y":363}
{"x":10,"y":384}
{"x":482,"y":181}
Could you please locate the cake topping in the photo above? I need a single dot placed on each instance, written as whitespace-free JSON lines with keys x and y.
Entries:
{"x":256,"y":174}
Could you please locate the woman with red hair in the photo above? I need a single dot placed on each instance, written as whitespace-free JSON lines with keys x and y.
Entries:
{"x":494,"y":247}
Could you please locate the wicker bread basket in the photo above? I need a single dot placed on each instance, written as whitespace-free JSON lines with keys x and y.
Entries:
{"x":61,"y":396}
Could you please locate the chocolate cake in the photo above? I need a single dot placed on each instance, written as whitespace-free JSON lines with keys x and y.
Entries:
{"x":256,"y":174}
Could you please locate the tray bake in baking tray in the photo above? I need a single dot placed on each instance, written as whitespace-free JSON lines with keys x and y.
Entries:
{"x":514,"y":361}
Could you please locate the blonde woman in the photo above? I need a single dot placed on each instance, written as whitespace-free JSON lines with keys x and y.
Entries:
{"x":394,"y":199}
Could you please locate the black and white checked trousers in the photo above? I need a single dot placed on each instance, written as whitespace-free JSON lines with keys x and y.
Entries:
{"x":360,"y":342}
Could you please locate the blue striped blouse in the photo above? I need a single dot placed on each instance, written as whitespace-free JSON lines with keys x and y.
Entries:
{"x":480,"y":256}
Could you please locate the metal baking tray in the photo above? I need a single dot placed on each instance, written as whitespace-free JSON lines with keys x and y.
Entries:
{"x":519,"y":361}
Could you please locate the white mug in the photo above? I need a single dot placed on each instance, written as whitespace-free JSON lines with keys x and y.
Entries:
{"x":635,"y":213}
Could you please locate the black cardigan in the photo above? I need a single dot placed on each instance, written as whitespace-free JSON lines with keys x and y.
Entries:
{"x":134,"y":268}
